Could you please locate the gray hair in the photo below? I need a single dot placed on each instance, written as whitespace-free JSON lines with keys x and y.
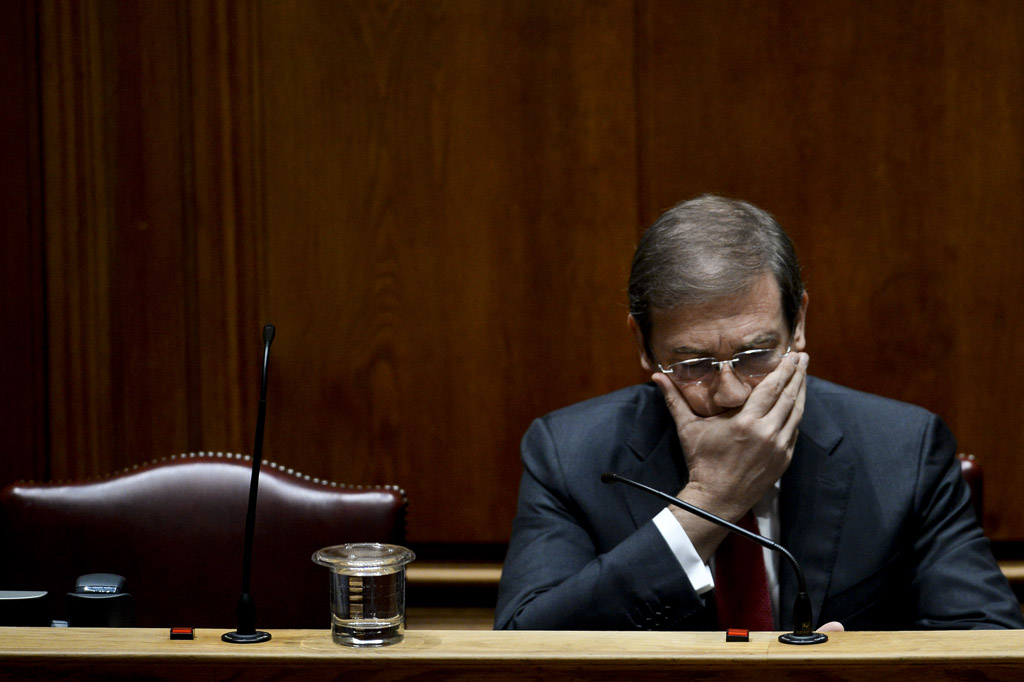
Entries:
{"x":707,"y":248}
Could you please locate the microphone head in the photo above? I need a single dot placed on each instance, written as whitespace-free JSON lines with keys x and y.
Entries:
{"x":268,"y":333}
{"x":608,"y":477}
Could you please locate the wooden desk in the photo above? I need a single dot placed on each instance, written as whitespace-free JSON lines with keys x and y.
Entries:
{"x":1013,"y":570}
{"x":486,"y":573}
{"x":55,"y":653}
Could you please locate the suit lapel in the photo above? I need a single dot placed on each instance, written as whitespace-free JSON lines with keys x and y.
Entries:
{"x":815,"y":496}
{"x":659,"y":461}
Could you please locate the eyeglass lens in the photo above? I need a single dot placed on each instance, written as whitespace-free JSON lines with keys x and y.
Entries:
{"x":750,"y":364}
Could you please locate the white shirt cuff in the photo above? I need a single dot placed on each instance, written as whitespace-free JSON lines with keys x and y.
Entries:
{"x":679,"y":542}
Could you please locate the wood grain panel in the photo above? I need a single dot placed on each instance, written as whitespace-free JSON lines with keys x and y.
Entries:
{"x":227,"y":264}
{"x":151,"y":250}
{"x":429,"y":655}
{"x":887,"y":138}
{"x":436,"y":203}
{"x":449,"y":210}
{"x":113,"y":168}
{"x":77,"y":225}
{"x":23,"y":410}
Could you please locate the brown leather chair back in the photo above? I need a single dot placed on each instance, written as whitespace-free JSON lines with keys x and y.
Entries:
{"x":973,"y":474}
{"x":174,"y":529}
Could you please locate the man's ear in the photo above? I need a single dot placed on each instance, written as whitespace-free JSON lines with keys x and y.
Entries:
{"x":641,"y":344}
{"x":799,"y":329}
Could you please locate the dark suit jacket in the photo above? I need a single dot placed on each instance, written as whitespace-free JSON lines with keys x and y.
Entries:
{"x":873,"y":506}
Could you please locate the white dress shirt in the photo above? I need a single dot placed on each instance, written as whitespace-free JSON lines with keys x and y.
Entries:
{"x":701,"y":575}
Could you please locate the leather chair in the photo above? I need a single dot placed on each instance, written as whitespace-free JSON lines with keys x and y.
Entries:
{"x":972,"y":473}
{"x":174,"y":528}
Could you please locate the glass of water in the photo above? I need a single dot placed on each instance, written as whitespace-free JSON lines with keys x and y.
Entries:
{"x":367,"y":592}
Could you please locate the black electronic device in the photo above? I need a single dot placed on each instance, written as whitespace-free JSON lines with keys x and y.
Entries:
{"x":99,"y":600}
{"x":99,"y":583}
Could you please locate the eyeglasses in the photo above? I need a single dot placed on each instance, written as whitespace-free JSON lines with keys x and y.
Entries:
{"x":750,"y":364}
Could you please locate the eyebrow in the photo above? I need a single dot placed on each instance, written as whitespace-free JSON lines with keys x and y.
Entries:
{"x":762,"y":339}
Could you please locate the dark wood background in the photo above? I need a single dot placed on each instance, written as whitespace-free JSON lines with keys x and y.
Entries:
{"x":436,"y":202}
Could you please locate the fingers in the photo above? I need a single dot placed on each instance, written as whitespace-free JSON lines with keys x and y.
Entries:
{"x":677,"y":405}
{"x":772,"y":389}
{"x":781,"y":388}
{"x":790,"y":406}
{"x":784,"y":392}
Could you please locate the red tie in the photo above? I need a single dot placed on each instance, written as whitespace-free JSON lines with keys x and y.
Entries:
{"x":741,"y":583}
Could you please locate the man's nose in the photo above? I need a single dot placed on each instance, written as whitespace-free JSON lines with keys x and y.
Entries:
{"x":729,"y":390}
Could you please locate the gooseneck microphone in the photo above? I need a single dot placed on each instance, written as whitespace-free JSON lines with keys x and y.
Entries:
{"x":246,"y":610}
{"x":803,"y":632}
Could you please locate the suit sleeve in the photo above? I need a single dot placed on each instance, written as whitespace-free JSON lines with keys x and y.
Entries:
{"x":956,"y":581}
{"x":562,"y":571}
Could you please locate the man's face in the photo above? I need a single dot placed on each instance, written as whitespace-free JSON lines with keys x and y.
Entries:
{"x":720,"y":329}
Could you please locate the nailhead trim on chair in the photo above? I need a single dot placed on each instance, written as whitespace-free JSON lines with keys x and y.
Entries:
{"x":242,"y":458}
{"x":231,"y":455}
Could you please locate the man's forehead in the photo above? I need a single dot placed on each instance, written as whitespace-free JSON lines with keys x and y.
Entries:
{"x":750,"y":317}
{"x":723,"y":343}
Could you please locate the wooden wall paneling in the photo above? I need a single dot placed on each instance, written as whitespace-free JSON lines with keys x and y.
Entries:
{"x":147,"y":126}
{"x":983,"y":142}
{"x":887,"y":138}
{"x":77,"y":225}
{"x":450,"y":210}
{"x":436,"y":202}
{"x":227,"y":232}
{"x":113,"y":224}
{"x":23,"y":343}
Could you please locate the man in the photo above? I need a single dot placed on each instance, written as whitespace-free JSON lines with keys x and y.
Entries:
{"x":864,"y":491}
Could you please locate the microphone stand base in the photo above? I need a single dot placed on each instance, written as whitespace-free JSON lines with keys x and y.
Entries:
{"x":237,"y":637}
{"x":810,"y":638}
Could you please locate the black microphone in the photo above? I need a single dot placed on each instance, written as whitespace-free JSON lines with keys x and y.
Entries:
{"x":246,"y":610}
{"x":803,"y":632}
